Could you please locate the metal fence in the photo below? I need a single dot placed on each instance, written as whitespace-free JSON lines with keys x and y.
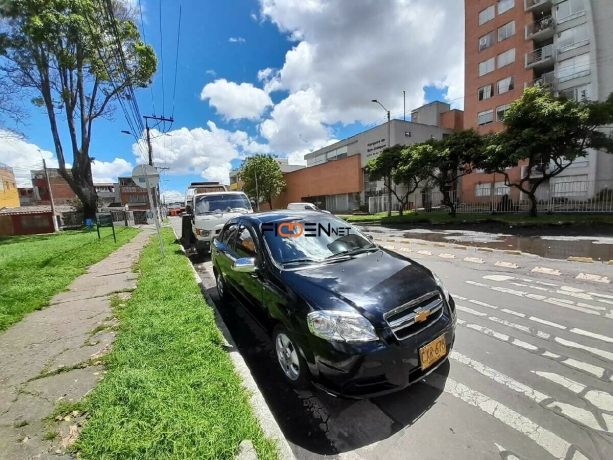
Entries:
{"x":71,"y":220}
{"x":565,"y":196}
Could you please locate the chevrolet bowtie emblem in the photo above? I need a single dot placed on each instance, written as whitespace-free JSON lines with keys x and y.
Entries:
{"x":422,"y":316}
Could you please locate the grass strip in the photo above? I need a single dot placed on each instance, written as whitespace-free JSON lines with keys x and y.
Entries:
{"x":171,"y":390}
{"x":35,"y":268}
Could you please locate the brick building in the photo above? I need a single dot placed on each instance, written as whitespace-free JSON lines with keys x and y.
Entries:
{"x":9,"y":196}
{"x":132,"y":195}
{"x":62,"y":193}
{"x":565,"y":46}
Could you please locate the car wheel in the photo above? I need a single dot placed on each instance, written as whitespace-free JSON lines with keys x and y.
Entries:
{"x":292,"y":364}
{"x":222,"y":289}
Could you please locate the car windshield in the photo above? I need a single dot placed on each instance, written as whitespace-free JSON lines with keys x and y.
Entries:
{"x":318,"y":238}
{"x":221,"y":203}
{"x":301,"y":206}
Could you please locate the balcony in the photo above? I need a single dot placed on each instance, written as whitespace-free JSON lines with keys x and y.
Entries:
{"x":540,"y":58}
{"x":542,"y":29}
{"x":538,"y":6}
{"x":547,"y":81}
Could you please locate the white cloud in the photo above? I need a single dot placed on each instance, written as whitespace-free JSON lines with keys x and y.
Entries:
{"x":296,"y":124}
{"x":235,"y":101}
{"x":211,"y":72}
{"x":236,"y":40}
{"x":108,"y":171}
{"x":200,"y":151}
{"x":173,"y":196}
{"x":23,"y":157}
{"x":253,"y":16}
{"x":350,"y":52}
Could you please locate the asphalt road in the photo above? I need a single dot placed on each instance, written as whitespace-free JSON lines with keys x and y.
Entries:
{"x":530,"y":377}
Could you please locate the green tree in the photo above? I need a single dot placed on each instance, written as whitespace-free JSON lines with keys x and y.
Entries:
{"x":548,"y":134}
{"x":445,"y":161}
{"x":74,"y":57}
{"x":389,"y":165}
{"x":262,"y":178}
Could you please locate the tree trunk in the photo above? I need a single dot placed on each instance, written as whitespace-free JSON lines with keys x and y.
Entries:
{"x":533,"y":205}
{"x":389,"y":196}
{"x":400,"y":209}
{"x":448,"y":202}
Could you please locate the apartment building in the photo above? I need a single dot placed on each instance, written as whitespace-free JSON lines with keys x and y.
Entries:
{"x":135,"y":197}
{"x":9,"y":196}
{"x":237,"y":184}
{"x":565,"y":46}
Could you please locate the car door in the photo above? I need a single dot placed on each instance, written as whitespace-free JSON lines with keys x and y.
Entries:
{"x":249,"y":285}
{"x":223,"y":251}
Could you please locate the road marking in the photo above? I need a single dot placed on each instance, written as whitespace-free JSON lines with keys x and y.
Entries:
{"x":483,"y":304}
{"x":519,"y":327}
{"x":476,"y":283}
{"x":536,"y":296}
{"x":595,"y":278}
{"x":470,"y":311}
{"x":570,"y":307}
{"x":601,"y":399}
{"x":519,"y":284}
{"x":506,"y":454}
{"x":474,"y":260}
{"x":424,"y":253}
{"x":571,"y":289}
{"x":604,"y":296}
{"x":459,"y":297}
{"x":506,"y":264}
{"x":604,"y":338}
{"x":596,"y":351}
{"x":405,"y":249}
{"x":445,"y":255}
{"x":553,"y":444}
{"x":547,"y":323}
{"x":578,"y":295}
{"x":511,"y":312}
{"x":590,"y":369}
{"x":586,"y":305}
{"x":605,"y":301}
{"x":388,"y":246}
{"x":538,"y":288}
{"x":498,"y":277}
{"x":546,"y":271}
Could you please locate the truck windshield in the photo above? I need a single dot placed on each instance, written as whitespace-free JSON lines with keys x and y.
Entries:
{"x":221,"y":203}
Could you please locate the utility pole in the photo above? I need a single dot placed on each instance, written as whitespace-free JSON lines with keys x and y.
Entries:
{"x":156,"y":195}
{"x":257,"y":195}
{"x":55,"y":227}
{"x":404,"y":97}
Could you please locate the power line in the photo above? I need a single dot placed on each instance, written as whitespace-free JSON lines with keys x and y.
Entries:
{"x":162,"y":61}
{"x":174,"y":91}
{"x":142,"y":26}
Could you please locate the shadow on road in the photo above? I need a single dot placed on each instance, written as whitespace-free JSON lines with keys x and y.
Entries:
{"x":315,"y":423}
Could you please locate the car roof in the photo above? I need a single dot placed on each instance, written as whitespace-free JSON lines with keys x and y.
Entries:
{"x":281,"y":215}
{"x":220,"y":193}
{"x":300,"y":203}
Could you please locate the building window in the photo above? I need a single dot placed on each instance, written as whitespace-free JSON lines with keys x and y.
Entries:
{"x":501,"y":189}
{"x":578,"y":93}
{"x":572,"y":38}
{"x":486,"y":41}
{"x":505,"y":5}
{"x":483,"y":189}
{"x":137,"y":198}
{"x":486,"y":67}
{"x":506,"y":84}
{"x":572,"y":186}
{"x":506,"y":58}
{"x":486,"y":92}
{"x":500,"y":111}
{"x":337,"y":154}
{"x":487,"y":14}
{"x":506,"y":31}
{"x":574,"y":67}
{"x":485,"y":118}
{"x":569,"y":9}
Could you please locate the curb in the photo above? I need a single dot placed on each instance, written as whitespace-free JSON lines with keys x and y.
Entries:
{"x":587,"y":260}
{"x":513,"y":252}
{"x":267,"y":421}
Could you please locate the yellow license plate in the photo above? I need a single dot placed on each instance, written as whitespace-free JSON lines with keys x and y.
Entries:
{"x":432,"y":352}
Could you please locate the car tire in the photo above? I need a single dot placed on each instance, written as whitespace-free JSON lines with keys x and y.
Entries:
{"x":291,"y":363}
{"x":222,"y":287}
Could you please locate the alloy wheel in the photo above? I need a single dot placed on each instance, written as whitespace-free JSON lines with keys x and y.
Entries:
{"x":288,"y":357}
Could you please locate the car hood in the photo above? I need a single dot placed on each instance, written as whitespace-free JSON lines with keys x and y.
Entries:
{"x":372,"y":283}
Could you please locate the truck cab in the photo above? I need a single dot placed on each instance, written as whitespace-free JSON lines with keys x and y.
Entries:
{"x":208,"y":212}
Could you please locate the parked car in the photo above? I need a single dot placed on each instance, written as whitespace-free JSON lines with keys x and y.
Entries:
{"x":353,"y":318}
{"x":305,"y":207}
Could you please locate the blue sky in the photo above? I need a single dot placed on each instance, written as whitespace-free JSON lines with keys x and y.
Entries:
{"x":325,"y":62}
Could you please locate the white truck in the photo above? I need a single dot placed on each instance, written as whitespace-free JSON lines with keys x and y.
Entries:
{"x":207,"y":210}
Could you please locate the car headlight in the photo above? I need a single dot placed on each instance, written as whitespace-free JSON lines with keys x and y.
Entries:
{"x":440,"y":284}
{"x":341,"y":326}
{"x":204,"y":233}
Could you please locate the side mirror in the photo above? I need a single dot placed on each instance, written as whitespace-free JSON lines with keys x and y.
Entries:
{"x":244,"y":265}
{"x":370,"y":237}
{"x":188,"y":209}
{"x":253,"y":205}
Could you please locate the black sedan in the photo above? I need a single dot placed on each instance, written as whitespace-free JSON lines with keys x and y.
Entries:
{"x":353,"y":318}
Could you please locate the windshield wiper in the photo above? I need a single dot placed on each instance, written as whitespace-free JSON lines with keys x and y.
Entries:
{"x":351,"y":252}
{"x":301,"y":261}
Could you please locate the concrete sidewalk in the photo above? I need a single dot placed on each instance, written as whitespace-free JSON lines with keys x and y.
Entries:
{"x":52,"y":356}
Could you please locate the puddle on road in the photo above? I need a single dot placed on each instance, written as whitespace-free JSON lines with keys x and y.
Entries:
{"x":553,"y":247}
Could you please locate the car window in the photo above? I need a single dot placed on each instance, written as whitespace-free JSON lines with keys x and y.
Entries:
{"x":245,"y":244}
{"x":227,"y":237}
{"x":221,"y":203}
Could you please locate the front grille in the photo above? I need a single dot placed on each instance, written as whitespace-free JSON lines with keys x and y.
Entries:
{"x":401,"y":320}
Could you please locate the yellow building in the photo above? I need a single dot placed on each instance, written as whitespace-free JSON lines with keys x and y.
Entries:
{"x":9,"y":196}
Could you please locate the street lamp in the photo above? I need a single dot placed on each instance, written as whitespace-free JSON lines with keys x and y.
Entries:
{"x":389,"y":179}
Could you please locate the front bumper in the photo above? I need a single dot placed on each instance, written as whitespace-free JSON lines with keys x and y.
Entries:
{"x":376,"y":368}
